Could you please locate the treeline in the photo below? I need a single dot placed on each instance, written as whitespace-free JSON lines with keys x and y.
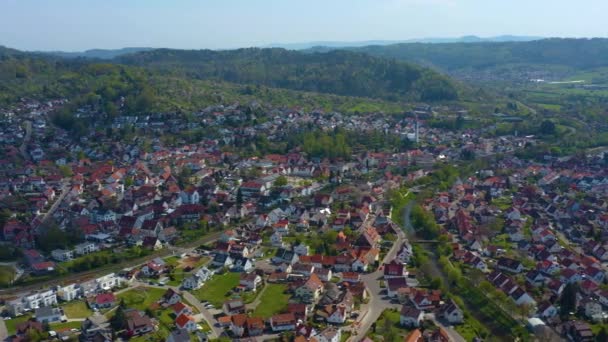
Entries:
{"x":575,"y":53}
{"x":338,"y":143}
{"x":336,"y":72}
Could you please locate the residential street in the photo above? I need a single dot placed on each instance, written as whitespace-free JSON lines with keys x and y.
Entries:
{"x":216,"y":332}
{"x":371,"y":311}
{"x":3,"y":331}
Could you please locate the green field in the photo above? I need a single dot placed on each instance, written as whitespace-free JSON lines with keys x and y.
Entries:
{"x":272,"y":301}
{"x":7,"y":275}
{"x":216,"y":290}
{"x":11,"y":324}
{"x":141,"y":298}
{"x":65,"y":326}
{"x":388,"y":327}
{"x":77,"y":309}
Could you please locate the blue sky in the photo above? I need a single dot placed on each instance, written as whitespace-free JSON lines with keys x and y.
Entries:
{"x":72,"y":25}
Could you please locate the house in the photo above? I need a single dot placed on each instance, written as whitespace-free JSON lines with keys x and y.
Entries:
{"x":592,"y":308}
{"x":394,"y":269}
{"x":546,"y":310}
{"x":108,"y":282}
{"x":138,"y":323}
{"x":283,"y":322}
{"x":62,"y":255}
{"x":425,"y":300}
{"x":48,"y":314}
{"x":186,"y":322}
{"x":32,"y":301}
{"x":234,"y":306}
{"x":405,"y":253}
{"x":180,"y":308}
{"x":179,"y":335}
{"x":410,"y":316}
{"x":535,"y":278}
{"x":452,"y":313}
{"x":152,"y":243}
{"x":299,"y":310}
{"x":311,"y":290}
{"x":303,"y":269}
{"x":255,"y":326}
{"x":324,"y":274}
{"x":284,"y":255}
{"x":241,"y":264}
{"x":96,"y":328}
{"x":69,"y":292}
{"x":329,"y":334}
{"x":85,"y":248}
{"x":578,"y":331}
{"x":250,"y":281}
{"x":171,"y":297}
{"x":238,"y":324}
{"x":351,"y":277}
{"x":190,"y":196}
{"x":221,"y":260}
{"x":154,"y":267}
{"x":103,"y":301}
{"x":301,"y":249}
{"x":198,"y":279}
{"x":509,"y":265}
{"x":394,"y":284}
{"x":339,"y":315}
{"x":276,"y":239}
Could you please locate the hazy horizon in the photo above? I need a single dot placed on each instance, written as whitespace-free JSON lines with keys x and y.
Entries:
{"x":72,"y":25}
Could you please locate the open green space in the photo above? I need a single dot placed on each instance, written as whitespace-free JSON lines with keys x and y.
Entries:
{"x":217,"y":290}
{"x":272,"y":301}
{"x":7,"y":275}
{"x":388,"y":327}
{"x":141,"y":298}
{"x":11,"y":324}
{"x":77,"y":309}
{"x":65,"y":326}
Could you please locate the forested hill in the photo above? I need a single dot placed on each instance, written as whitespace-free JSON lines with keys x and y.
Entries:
{"x":572,"y":53}
{"x":335,"y":72}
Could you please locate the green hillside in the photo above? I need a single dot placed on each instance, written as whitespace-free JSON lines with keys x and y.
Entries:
{"x":335,"y":72}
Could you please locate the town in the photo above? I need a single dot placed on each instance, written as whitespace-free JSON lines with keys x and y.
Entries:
{"x":199,"y":243}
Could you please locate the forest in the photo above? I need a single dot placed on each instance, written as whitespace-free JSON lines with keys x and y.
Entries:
{"x":336,"y":72}
{"x":572,"y":53}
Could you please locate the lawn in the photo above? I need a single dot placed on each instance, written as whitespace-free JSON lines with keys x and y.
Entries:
{"x":11,"y":324}
{"x":503,"y":203}
{"x":7,"y":275}
{"x":65,"y":326}
{"x":77,"y":309}
{"x":471,"y":328}
{"x":272,"y":301}
{"x":172,"y":261}
{"x":217,"y":290}
{"x":141,"y":298}
{"x":387,"y":326}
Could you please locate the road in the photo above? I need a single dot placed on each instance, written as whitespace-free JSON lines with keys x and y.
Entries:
{"x":3,"y":331}
{"x":65,"y":189}
{"x":26,"y":140}
{"x":371,"y":311}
